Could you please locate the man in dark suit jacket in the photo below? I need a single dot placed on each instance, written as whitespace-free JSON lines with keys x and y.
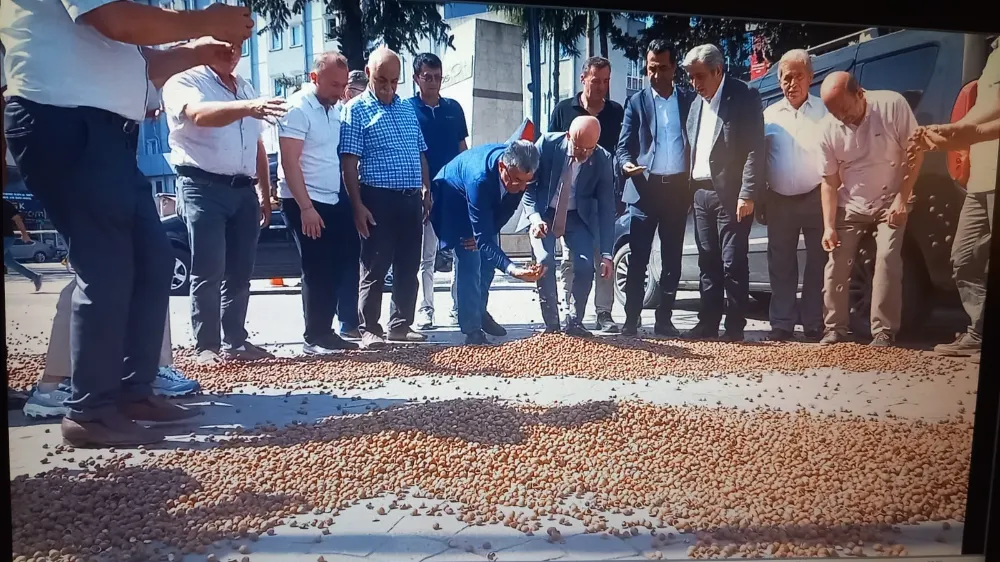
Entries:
{"x":474,"y":196}
{"x":573,"y":198}
{"x":728,"y":155}
{"x":653,"y":153}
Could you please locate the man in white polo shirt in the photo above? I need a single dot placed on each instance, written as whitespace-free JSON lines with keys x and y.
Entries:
{"x":867,"y":185}
{"x":215,"y":145}
{"x":309,"y":187}
{"x":79,"y":78}
{"x":792,"y":129}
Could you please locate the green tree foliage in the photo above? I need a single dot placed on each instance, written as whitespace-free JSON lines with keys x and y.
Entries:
{"x":362,"y":24}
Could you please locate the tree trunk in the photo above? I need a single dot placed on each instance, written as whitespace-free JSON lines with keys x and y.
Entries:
{"x":352,"y":37}
{"x":555,"y":72}
{"x":604,"y":22}
{"x":591,"y":24}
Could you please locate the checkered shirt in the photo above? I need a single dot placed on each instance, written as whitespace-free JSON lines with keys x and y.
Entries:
{"x":386,"y":139}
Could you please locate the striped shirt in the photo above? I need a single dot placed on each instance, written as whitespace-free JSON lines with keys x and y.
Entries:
{"x":386,"y":139}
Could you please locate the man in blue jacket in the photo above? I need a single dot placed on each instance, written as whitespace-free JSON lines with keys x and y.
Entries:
{"x":573,"y":199}
{"x":474,"y":196}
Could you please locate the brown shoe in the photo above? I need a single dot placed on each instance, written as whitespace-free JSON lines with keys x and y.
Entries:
{"x":406,"y":335}
{"x":158,"y":409}
{"x":112,"y":430}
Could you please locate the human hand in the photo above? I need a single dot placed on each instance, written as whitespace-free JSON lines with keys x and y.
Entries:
{"x":540,"y":230}
{"x":428,"y":201}
{"x":362,"y":218}
{"x":267,"y":109}
{"x":830,"y":239}
{"x":897,"y":213}
{"x":606,"y":268}
{"x":232,"y":24}
{"x":744,"y":209}
{"x":265,"y":213}
{"x":631,"y":169}
{"x":211,"y":51}
{"x":529,"y":274}
{"x":25,"y":237}
{"x":470,"y":244}
{"x":312,"y":223}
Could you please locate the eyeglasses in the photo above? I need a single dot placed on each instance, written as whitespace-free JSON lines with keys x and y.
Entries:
{"x":432,"y":78}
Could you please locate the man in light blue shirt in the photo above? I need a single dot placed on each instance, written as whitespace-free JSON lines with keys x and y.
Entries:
{"x":76,"y":150}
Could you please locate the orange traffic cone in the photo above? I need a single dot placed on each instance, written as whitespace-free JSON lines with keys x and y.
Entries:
{"x":277,"y":282}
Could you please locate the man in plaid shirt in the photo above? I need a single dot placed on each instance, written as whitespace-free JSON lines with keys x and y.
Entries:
{"x":385,"y":172}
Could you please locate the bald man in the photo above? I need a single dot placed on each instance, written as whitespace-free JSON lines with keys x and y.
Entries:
{"x":382,"y":157}
{"x":867,"y":184}
{"x":572,"y":198}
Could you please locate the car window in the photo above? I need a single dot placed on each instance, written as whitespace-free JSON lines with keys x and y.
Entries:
{"x":904,"y":72}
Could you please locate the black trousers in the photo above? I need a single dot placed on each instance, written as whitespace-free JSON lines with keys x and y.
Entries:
{"x":394,"y":240}
{"x":664,"y":206}
{"x":324,"y":262}
{"x":723,"y":243}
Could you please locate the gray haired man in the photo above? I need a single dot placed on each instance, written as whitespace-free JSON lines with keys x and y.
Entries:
{"x":474,"y":196}
{"x":793,"y":129}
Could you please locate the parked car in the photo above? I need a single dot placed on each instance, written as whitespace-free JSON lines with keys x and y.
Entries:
{"x":929,"y":69}
{"x":38,"y":252}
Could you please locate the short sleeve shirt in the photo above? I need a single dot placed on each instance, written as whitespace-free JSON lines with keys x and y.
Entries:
{"x":870,"y":158}
{"x":983,"y":155}
{"x":54,"y":59}
{"x":229,"y":150}
{"x":444,"y":128}
{"x":318,"y":127}
{"x":386,"y":139}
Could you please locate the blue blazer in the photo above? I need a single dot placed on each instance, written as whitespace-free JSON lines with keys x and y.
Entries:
{"x":595,"y":188}
{"x":739,"y":151}
{"x":637,"y":143}
{"x":470,"y":202}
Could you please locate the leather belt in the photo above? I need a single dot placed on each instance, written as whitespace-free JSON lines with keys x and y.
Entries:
{"x":408,"y":192}
{"x":671,"y":178}
{"x":232,"y":181}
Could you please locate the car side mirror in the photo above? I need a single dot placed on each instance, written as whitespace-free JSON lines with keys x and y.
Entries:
{"x":913,"y":97}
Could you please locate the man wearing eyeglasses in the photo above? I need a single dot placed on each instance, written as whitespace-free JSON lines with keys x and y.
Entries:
{"x":442,"y":121}
{"x":573,"y":199}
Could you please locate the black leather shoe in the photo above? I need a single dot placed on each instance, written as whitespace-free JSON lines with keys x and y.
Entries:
{"x":733,"y":336}
{"x":552,"y":329}
{"x":477,"y":338}
{"x":702,"y":332}
{"x":577,"y":330}
{"x":491,"y":327}
{"x":777,"y":334}
{"x":630,"y":328}
{"x":666,"y":330}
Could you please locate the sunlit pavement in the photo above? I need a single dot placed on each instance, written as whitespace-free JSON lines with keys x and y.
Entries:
{"x":275,"y":322}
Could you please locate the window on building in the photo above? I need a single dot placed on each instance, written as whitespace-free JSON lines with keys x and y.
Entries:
{"x":279,"y":87}
{"x":331,"y":26}
{"x":245,"y":50}
{"x":563,"y":54}
{"x":152,"y":146}
{"x":277,"y":40}
{"x":296,"y":35}
{"x":159,"y":186}
{"x":633,"y":78}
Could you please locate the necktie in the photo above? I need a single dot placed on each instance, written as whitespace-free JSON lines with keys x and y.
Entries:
{"x":562,"y":200}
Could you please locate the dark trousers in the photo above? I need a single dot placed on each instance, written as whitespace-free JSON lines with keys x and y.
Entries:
{"x":787,"y":217}
{"x":664,"y":208}
{"x":580,"y":243}
{"x":473,"y":277}
{"x":81,"y":165}
{"x":394,"y":240}
{"x":223,"y":224}
{"x":324,"y":261}
{"x":723,"y":243}
{"x":347,"y":294}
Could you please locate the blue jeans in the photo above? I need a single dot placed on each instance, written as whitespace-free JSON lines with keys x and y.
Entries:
{"x":580,"y":242}
{"x":223,"y":224}
{"x":12,"y":263}
{"x":347,"y":293}
{"x":81,"y":165}
{"x":473,"y":277}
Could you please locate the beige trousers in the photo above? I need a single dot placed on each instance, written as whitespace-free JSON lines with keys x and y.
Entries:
{"x":887,"y":293}
{"x":57,"y":361}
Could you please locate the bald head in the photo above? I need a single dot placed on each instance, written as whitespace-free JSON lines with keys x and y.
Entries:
{"x":329,"y":75}
{"x":383,"y":74}
{"x":843,"y":97}
{"x":584,"y":133}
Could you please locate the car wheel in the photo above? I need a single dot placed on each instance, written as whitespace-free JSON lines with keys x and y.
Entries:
{"x":916,"y":289}
{"x":651,"y":298}
{"x":180,"y":281}
{"x":40,"y":257}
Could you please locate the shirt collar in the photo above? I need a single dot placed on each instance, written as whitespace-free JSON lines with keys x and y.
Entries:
{"x":785,"y":105}
{"x":371,"y":97}
{"x":656,"y":95}
{"x":717,"y":98}
{"x":420,"y":101}
{"x":308,"y":93}
{"x":211,"y":74}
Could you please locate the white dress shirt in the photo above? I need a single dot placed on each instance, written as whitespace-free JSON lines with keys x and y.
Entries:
{"x":706,"y":135}
{"x":319,"y":128}
{"x":54,"y":59}
{"x":668,"y":153}
{"x":794,"y":158}
{"x":229,"y":150}
{"x":870,"y":158}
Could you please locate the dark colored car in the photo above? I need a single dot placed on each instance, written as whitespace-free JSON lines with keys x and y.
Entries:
{"x":929,"y":69}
